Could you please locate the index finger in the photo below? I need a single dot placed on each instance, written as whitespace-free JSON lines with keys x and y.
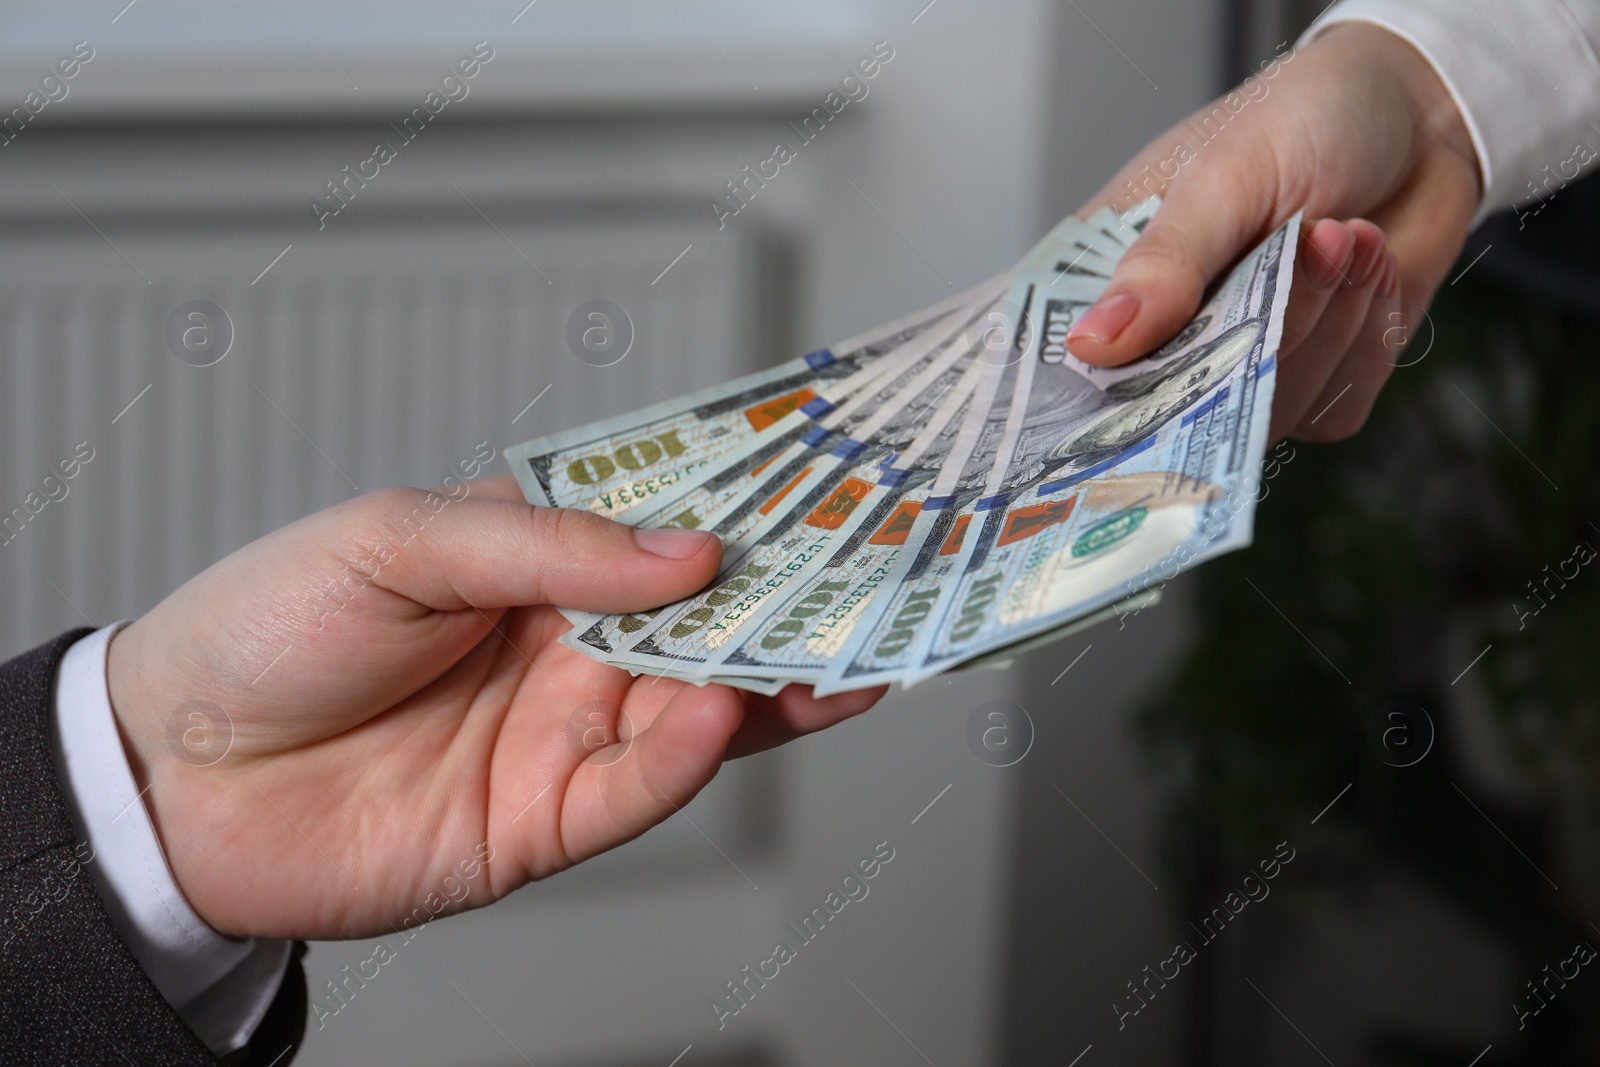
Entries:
{"x":1211,"y":214}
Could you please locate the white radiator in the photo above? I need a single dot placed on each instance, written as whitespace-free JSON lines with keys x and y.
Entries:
{"x":362,"y":358}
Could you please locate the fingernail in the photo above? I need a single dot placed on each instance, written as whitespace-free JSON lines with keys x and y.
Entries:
{"x":1107,"y":319}
{"x":1324,"y":266}
{"x":1391,"y":278}
{"x":673,"y":544}
{"x":1366,"y":262}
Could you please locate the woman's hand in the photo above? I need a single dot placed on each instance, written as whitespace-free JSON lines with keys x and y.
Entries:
{"x":366,"y":713}
{"x":1358,"y":130}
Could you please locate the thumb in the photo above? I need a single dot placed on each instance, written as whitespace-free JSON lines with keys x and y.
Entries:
{"x":491,"y":553}
{"x":1208,"y":218}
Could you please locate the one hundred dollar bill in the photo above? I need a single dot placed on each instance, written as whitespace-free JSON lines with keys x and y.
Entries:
{"x":889,"y":635}
{"x":739,"y":499}
{"x":946,"y":491}
{"x":806,"y":623}
{"x":817,"y":478}
{"x":883,"y":633}
{"x":826,"y":594}
{"x":611,"y":466}
{"x":1161,"y":478}
{"x":762,"y":553}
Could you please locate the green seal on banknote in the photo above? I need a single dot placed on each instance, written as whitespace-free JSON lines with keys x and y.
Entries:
{"x":1108,"y":531}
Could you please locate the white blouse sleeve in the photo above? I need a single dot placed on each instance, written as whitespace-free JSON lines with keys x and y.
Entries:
{"x":1524,"y":73}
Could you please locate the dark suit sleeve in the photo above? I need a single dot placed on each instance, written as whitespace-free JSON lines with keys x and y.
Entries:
{"x":70,"y":991}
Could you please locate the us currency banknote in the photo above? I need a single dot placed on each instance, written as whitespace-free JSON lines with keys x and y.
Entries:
{"x":1159,"y":477}
{"x":777,"y":579}
{"x":770,"y":456}
{"x":611,"y":466}
{"x":881,"y":641}
{"x":733,"y":505}
{"x":762,"y":551}
{"x":801,"y":628}
{"x":885,"y":637}
{"x":948,"y":490}
{"x":716,"y":489}
{"x":1064,"y":426}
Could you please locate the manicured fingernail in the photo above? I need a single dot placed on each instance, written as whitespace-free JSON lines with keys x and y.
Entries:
{"x":1107,"y":319}
{"x":673,"y":544}
{"x":1329,"y":249}
{"x":1391,"y":278}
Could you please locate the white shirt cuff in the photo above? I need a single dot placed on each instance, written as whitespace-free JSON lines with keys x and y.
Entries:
{"x":219,"y":986}
{"x":1524,"y":74}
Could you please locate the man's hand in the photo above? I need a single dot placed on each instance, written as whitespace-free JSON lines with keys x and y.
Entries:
{"x":387,"y":723}
{"x":1356,"y":124}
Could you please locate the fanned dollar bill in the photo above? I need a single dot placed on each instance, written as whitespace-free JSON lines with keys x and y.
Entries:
{"x":611,"y":466}
{"x":767,"y":545}
{"x":1163,"y":474}
{"x":743,"y":496}
{"x":948,"y":490}
{"x":808,"y":621}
